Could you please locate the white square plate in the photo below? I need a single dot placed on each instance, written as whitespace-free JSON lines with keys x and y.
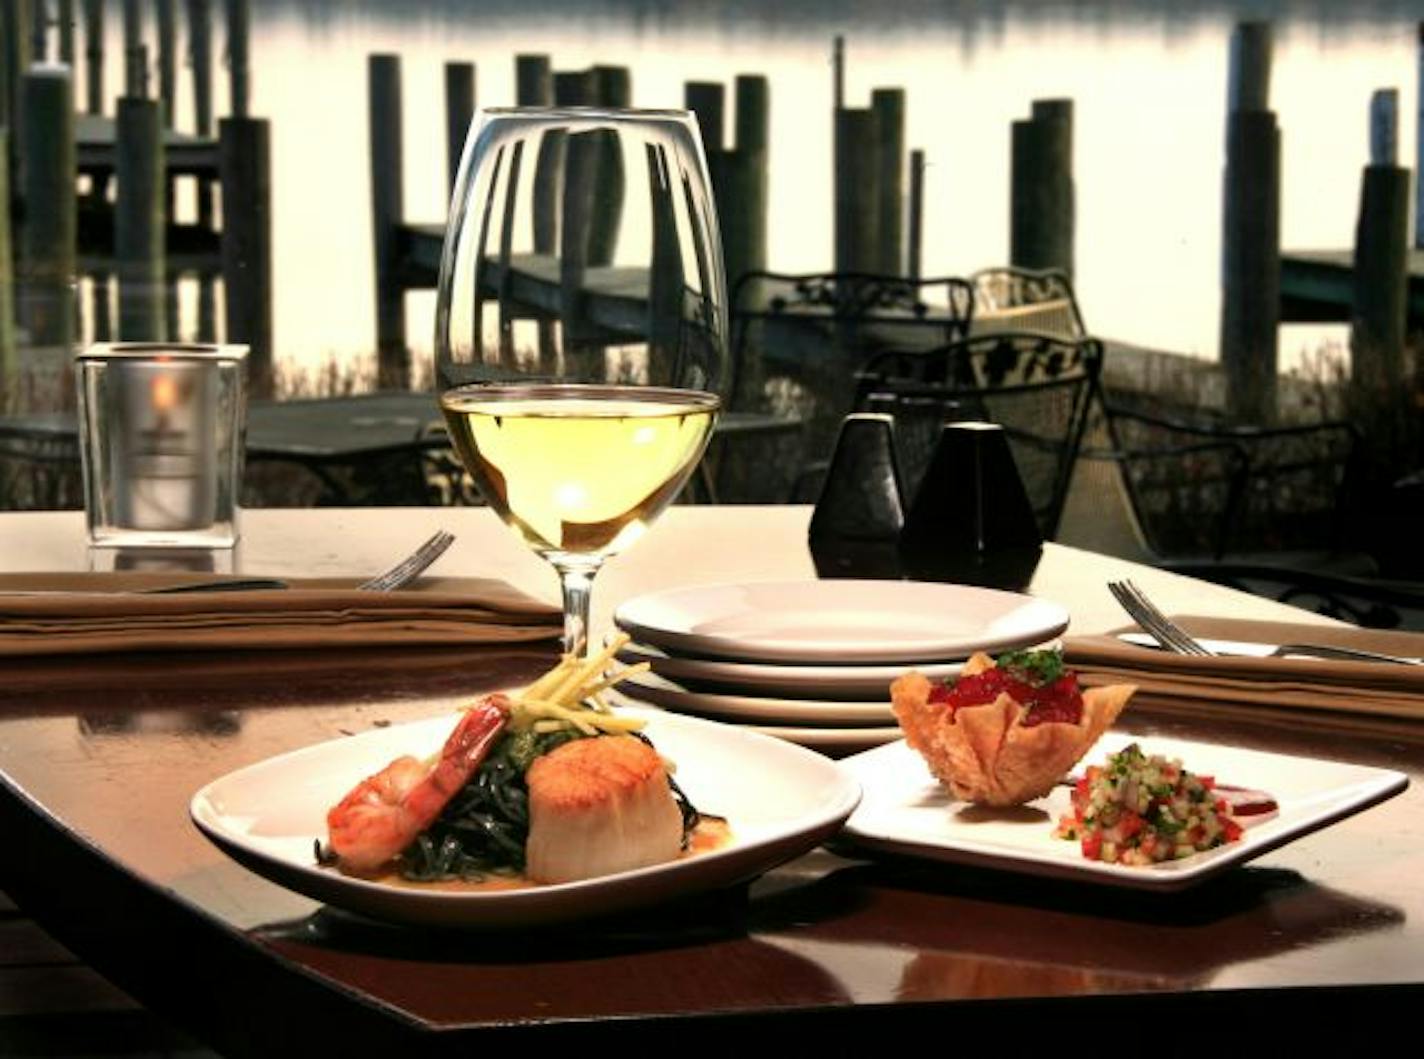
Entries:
{"x":905,"y":810}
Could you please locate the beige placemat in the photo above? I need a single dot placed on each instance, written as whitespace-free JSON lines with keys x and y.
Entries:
{"x":1301,"y":683}
{"x":49,"y":614}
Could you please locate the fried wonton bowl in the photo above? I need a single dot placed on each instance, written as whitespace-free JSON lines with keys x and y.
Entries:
{"x":986,"y":754}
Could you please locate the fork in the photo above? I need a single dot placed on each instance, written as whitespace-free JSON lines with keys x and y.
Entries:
{"x":411,"y":567}
{"x":1156,"y":624}
{"x":1177,"y":640}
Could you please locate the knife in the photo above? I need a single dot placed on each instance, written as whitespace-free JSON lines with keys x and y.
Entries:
{"x":1247,"y":649}
{"x":244,"y":584}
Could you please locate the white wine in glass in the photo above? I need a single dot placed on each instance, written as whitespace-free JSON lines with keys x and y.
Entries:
{"x":581,"y":327}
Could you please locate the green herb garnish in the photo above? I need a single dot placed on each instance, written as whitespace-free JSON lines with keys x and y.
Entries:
{"x":1038,"y":668}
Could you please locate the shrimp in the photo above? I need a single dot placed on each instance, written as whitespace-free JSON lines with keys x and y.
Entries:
{"x":384,"y":813}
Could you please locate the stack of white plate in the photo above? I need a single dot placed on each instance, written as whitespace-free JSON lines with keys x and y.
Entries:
{"x":812,"y":661}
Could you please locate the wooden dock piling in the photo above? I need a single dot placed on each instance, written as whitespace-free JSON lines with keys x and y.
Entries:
{"x":1249,"y":67}
{"x":868,"y":176}
{"x":459,"y":109}
{"x":135,"y":54}
{"x":744,"y":230}
{"x":99,"y":187}
{"x":534,"y":87}
{"x":573,"y":158}
{"x":1378,"y":311}
{"x":237,"y":60}
{"x":889,"y":107}
{"x":708,"y":101}
{"x":857,"y":191}
{"x":48,"y":235}
{"x":1419,"y":145}
{"x":1251,"y":270}
{"x":167,"y":61}
{"x":65,"y":18}
{"x":533,"y":81}
{"x":14,"y":58}
{"x":94,"y":56}
{"x":7,"y":279}
{"x":753,"y":95}
{"x":39,"y":32}
{"x":168,"y":109}
{"x":1042,"y":208}
{"x":200,"y":53}
{"x":388,"y":214}
{"x":914,"y":266}
{"x":737,"y":170}
{"x":612,"y":87}
{"x":246,"y":175}
{"x":139,"y":221}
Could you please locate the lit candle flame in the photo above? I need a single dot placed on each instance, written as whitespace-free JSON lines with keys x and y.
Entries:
{"x":164,"y":392}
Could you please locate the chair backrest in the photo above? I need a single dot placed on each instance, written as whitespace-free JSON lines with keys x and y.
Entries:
{"x":797,"y":338}
{"x":1205,"y":489}
{"x":1036,"y":386}
{"x":1007,"y":298}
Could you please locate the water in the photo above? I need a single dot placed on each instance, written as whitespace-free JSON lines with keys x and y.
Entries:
{"x":1148,"y":80}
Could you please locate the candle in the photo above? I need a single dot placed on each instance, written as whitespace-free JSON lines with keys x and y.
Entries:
{"x":164,"y":461}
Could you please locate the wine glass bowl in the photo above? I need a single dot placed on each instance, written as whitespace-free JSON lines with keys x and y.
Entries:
{"x":581,"y":326}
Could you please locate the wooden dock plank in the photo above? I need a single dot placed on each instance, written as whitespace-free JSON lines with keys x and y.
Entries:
{"x":1316,"y":286}
{"x":95,"y":136}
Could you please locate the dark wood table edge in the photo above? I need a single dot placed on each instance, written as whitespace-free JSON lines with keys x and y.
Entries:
{"x":242,"y":997}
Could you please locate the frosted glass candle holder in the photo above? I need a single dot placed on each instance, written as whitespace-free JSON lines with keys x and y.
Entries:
{"x":161,"y":440}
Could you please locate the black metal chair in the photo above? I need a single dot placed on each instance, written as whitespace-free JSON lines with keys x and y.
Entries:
{"x":1268,"y":510}
{"x":798,"y":338}
{"x":1008,"y":298}
{"x":1207,"y":490}
{"x":1036,"y":386}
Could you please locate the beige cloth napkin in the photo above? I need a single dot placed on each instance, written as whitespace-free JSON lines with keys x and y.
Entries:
{"x":49,"y":614}
{"x":1182,"y":681}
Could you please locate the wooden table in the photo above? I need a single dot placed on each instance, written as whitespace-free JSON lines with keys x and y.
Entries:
{"x":99,"y":758}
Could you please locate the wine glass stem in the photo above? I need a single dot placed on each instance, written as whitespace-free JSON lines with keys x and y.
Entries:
{"x":577,"y":583}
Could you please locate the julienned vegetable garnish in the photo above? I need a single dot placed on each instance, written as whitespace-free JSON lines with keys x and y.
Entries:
{"x":550,"y":782}
{"x":1005,"y":733}
{"x":1138,"y":809}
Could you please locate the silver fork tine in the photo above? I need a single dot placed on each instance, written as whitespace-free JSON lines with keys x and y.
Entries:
{"x":411,"y":567}
{"x":1149,"y":617}
{"x":1167,"y":632}
{"x":1129,"y":603}
{"x":1161,"y":625}
{"x":1188,"y":642}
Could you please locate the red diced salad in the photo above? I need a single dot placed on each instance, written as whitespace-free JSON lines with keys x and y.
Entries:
{"x":1138,"y":809}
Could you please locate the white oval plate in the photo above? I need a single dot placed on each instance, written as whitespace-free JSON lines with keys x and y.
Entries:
{"x":907,"y":811}
{"x":839,"y":621}
{"x":781,"y":800}
{"x":836,"y":742}
{"x":782,"y":681}
{"x":649,"y":687}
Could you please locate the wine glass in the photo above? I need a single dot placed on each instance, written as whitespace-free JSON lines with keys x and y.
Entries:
{"x":581,"y":326}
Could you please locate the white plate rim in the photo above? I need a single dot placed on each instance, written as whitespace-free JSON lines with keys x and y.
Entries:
{"x":803,"y":713}
{"x":785,"y":680}
{"x":830,"y":738}
{"x":542,"y":904}
{"x":632,"y":617}
{"x":1057,"y":858}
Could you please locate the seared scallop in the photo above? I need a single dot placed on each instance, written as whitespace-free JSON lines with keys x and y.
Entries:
{"x":599,"y":806}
